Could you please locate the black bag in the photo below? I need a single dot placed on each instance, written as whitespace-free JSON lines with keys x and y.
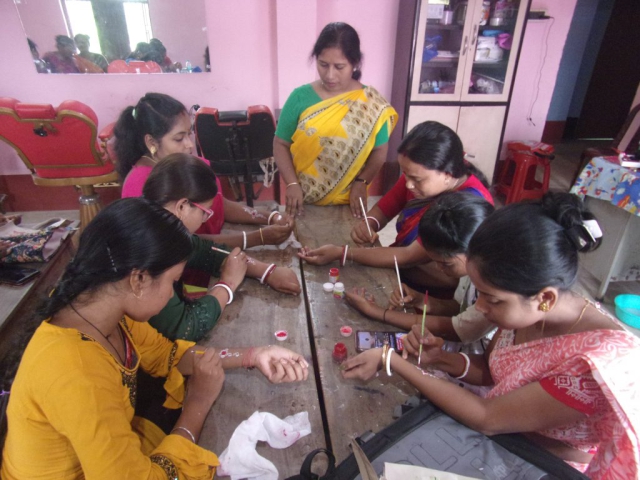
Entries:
{"x":426,"y":436}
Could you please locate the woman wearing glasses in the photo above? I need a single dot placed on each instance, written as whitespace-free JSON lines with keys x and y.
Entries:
{"x":159,"y":125}
{"x":186,"y":186}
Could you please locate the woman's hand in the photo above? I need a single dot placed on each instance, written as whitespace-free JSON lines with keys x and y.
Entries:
{"x":358,"y":191}
{"x":234,"y":268}
{"x":363,"y":366}
{"x":207,"y":377}
{"x":321,"y":255}
{"x":283,"y":219}
{"x":431,"y":345}
{"x":280,"y":365}
{"x":412,"y":298}
{"x":360,"y":233}
{"x":276,"y":234}
{"x":4,"y":247}
{"x":294,"y":197}
{"x":362,"y":301}
{"x":284,"y":280}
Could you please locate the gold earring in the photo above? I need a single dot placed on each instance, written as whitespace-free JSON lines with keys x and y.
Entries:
{"x":543,"y":307}
{"x":153,"y":151}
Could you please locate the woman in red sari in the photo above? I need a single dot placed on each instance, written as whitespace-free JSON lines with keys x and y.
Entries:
{"x":562,"y":371}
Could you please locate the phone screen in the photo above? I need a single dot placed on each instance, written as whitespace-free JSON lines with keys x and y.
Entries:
{"x":367,"y":340}
{"x":16,"y":275}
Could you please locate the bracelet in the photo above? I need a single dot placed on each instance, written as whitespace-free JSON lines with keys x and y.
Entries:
{"x":384,"y":315}
{"x":244,"y":240}
{"x":389,"y":352}
{"x":227,"y":288}
{"x":375,"y":220}
{"x":291,"y":184}
{"x":359,"y":179}
{"x":267,"y":272}
{"x":261,"y":237}
{"x":345,"y":249}
{"x":275,"y":212}
{"x":187,"y":431}
{"x":385,"y":347}
{"x":467,"y":364}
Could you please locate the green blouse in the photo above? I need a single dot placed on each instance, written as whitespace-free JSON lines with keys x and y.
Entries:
{"x":188,"y":319}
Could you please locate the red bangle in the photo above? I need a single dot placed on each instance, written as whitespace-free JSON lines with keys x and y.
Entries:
{"x":269,"y":272}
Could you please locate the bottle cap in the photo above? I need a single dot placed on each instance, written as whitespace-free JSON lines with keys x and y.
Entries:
{"x":328,"y":287}
{"x":346,"y":331}
{"x":281,"y":335}
{"x":334,"y":272}
{"x":339,"y":286}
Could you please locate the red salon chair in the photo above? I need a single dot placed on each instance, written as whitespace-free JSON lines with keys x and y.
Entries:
{"x":60,"y":146}
{"x":239,"y":144}
{"x":627,"y":141}
{"x":517,"y":176}
{"x":134,"y":66}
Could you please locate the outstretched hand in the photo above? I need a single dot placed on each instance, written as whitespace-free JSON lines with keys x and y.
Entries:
{"x":361,"y":300}
{"x":280,"y":365}
{"x":321,"y":255}
{"x":363,"y":366}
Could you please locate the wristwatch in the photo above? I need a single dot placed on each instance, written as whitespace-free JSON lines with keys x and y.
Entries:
{"x":358,"y":179}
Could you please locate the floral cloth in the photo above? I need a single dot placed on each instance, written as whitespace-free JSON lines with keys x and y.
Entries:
{"x":611,"y":357}
{"x":609,"y":181}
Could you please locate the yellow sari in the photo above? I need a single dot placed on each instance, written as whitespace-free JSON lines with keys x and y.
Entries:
{"x":333,"y":140}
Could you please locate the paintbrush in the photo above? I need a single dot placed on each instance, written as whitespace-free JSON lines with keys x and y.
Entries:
{"x":395,"y":260}
{"x":424,"y":316}
{"x":364,"y":214}
{"x":220,"y":250}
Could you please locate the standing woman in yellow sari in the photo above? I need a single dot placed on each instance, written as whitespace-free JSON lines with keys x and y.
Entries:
{"x":333,"y":133}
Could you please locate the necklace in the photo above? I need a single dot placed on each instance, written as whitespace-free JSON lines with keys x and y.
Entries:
{"x":586,"y":304}
{"x":103,"y":335}
{"x":153,"y":160}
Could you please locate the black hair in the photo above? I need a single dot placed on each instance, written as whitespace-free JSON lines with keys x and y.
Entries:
{"x":448,"y":225}
{"x":155,"y":114}
{"x":180,"y":175}
{"x":525,"y":247}
{"x":129,"y":234}
{"x":343,"y":36}
{"x":436,"y":147}
{"x":63,"y":39}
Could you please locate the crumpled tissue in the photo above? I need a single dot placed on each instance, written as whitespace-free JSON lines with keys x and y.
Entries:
{"x":240,"y":459}
{"x":291,"y":241}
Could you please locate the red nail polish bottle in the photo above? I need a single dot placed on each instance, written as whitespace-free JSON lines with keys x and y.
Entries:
{"x":339,"y":352}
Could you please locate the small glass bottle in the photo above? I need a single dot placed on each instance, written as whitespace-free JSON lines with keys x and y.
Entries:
{"x":334,"y":275}
{"x":339,"y":352}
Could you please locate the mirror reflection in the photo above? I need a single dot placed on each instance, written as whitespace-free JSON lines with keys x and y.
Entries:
{"x":116,"y":36}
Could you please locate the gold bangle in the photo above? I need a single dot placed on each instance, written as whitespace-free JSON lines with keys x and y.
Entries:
{"x":291,"y":184}
{"x":261,"y":237}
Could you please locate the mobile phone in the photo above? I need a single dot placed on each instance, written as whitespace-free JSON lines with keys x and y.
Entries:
{"x":367,"y":340}
{"x":16,"y":275}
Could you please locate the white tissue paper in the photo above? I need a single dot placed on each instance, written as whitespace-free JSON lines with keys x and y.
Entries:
{"x":291,"y":241}
{"x":240,"y":459}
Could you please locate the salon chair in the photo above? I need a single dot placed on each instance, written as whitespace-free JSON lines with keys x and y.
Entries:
{"x":627,"y":141}
{"x":239,"y":145}
{"x":60,"y":146}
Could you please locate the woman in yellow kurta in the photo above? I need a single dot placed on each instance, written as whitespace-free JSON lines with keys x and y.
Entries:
{"x":71,"y":405}
{"x":332,"y":134}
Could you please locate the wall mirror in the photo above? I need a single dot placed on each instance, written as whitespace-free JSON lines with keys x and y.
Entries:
{"x":116,"y":36}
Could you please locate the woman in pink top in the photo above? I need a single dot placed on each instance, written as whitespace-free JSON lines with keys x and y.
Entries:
{"x":159,"y":125}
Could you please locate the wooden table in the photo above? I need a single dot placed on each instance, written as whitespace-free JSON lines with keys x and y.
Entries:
{"x":351,"y":407}
{"x":251,"y":320}
{"x":19,"y":303}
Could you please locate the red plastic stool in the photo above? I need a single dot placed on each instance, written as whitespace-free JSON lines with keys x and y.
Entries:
{"x":517,"y":176}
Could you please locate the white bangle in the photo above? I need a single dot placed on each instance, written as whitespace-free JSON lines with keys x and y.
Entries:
{"x":275,"y":212}
{"x":266,"y":272}
{"x":389,"y":352}
{"x":244,"y":240}
{"x":187,"y":431}
{"x":467,"y":364}
{"x":227,"y":288}
{"x":375,"y":220}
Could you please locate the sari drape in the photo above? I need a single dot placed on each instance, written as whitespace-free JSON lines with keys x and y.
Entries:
{"x":612,"y":357}
{"x":333,"y":140}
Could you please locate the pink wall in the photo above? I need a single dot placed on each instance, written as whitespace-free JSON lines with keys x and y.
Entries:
{"x":534,"y":83}
{"x":43,"y":20}
{"x":189,"y":40}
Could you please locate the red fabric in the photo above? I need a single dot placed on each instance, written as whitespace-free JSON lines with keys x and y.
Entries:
{"x":580,"y":392}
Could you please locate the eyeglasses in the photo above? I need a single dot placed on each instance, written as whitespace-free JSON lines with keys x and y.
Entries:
{"x":206,"y":212}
